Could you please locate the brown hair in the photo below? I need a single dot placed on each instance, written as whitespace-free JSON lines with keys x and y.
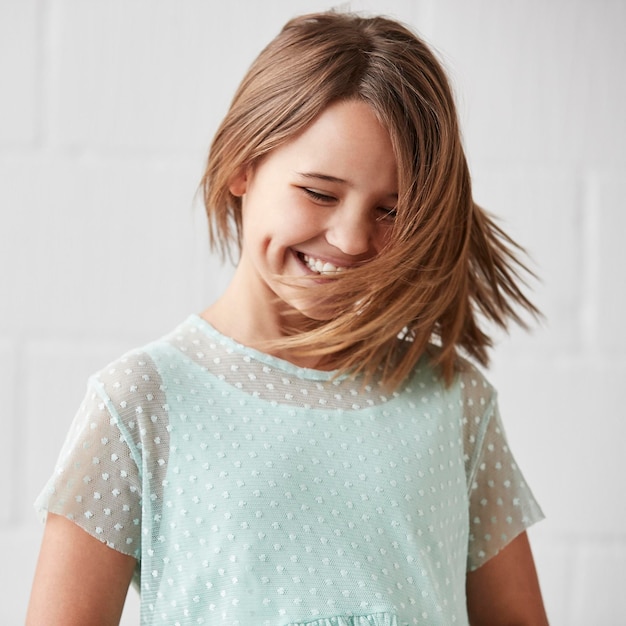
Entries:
{"x":446,"y":263}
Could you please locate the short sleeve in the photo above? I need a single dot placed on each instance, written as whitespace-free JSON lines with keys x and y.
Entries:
{"x":96,"y":481}
{"x":501,"y":505}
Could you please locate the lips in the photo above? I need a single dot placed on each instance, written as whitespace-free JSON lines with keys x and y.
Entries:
{"x":319,"y":266}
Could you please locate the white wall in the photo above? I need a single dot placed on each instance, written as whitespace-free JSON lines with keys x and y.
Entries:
{"x":106,"y":111}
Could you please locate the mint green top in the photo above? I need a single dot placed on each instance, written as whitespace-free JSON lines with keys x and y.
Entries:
{"x":255,"y":492}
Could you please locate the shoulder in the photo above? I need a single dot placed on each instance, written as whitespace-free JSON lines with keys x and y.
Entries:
{"x":470,"y":395}
{"x":474,"y":385}
{"x":145,"y":363}
{"x":469,"y":381}
{"x":133,"y":387}
{"x":477,"y":397}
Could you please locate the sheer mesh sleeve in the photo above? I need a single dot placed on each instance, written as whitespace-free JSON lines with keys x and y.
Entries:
{"x":501,"y":504}
{"x":96,"y":482}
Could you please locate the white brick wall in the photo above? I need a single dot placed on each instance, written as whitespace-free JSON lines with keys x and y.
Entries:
{"x":106,"y":110}
{"x":20,"y":72}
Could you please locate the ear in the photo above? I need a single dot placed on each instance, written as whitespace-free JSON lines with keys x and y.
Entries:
{"x":239,"y":182}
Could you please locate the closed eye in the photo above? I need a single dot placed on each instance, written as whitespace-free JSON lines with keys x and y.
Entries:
{"x":386,"y":215}
{"x":317,"y":196}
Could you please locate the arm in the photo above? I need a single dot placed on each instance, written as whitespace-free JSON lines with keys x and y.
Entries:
{"x":505,"y":590}
{"x":79,"y":580}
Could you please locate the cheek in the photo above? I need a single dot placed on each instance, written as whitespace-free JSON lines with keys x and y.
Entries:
{"x":304,"y":216}
{"x":297,"y":223}
{"x":256,"y":219}
{"x":381,"y":237}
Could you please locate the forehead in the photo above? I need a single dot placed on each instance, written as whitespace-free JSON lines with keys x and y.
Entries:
{"x":346,"y":141}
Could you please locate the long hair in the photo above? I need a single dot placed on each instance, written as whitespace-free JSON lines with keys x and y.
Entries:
{"x":446,"y":263}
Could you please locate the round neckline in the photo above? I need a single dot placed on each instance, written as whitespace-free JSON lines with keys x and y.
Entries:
{"x":263,"y":357}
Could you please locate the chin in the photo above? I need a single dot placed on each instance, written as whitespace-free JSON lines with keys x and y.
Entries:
{"x":314,"y":311}
{"x":303,"y":312}
{"x":317,"y":316}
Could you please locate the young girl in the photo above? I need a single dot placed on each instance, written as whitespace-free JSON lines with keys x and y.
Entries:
{"x":312,"y":448}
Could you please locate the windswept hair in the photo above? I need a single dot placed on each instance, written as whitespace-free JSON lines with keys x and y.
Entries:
{"x":446,"y":264}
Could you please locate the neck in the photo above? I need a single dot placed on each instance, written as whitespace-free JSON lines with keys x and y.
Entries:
{"x":253,"y":319}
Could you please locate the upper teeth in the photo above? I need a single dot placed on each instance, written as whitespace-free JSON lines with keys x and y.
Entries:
{"x":321,"y":267}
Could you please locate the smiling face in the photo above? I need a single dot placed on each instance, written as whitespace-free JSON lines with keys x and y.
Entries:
{"x":323,"y":202}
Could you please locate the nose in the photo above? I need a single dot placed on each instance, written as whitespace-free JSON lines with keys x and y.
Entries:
{"x":350,"y":230}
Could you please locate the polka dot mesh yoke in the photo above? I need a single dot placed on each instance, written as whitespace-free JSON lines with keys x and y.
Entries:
{"x":252,"y":491}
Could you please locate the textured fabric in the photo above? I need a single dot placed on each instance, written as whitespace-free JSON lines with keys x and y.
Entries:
{"x":252,"y":491}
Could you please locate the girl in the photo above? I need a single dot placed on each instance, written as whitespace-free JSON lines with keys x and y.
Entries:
{"x":312,"y":449}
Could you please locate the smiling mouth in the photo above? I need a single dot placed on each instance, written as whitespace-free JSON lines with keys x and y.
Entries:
{"x":318,"y":266}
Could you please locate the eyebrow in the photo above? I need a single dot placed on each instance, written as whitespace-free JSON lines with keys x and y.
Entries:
{"x":333,"y":179}
{"x":320,"y":176}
